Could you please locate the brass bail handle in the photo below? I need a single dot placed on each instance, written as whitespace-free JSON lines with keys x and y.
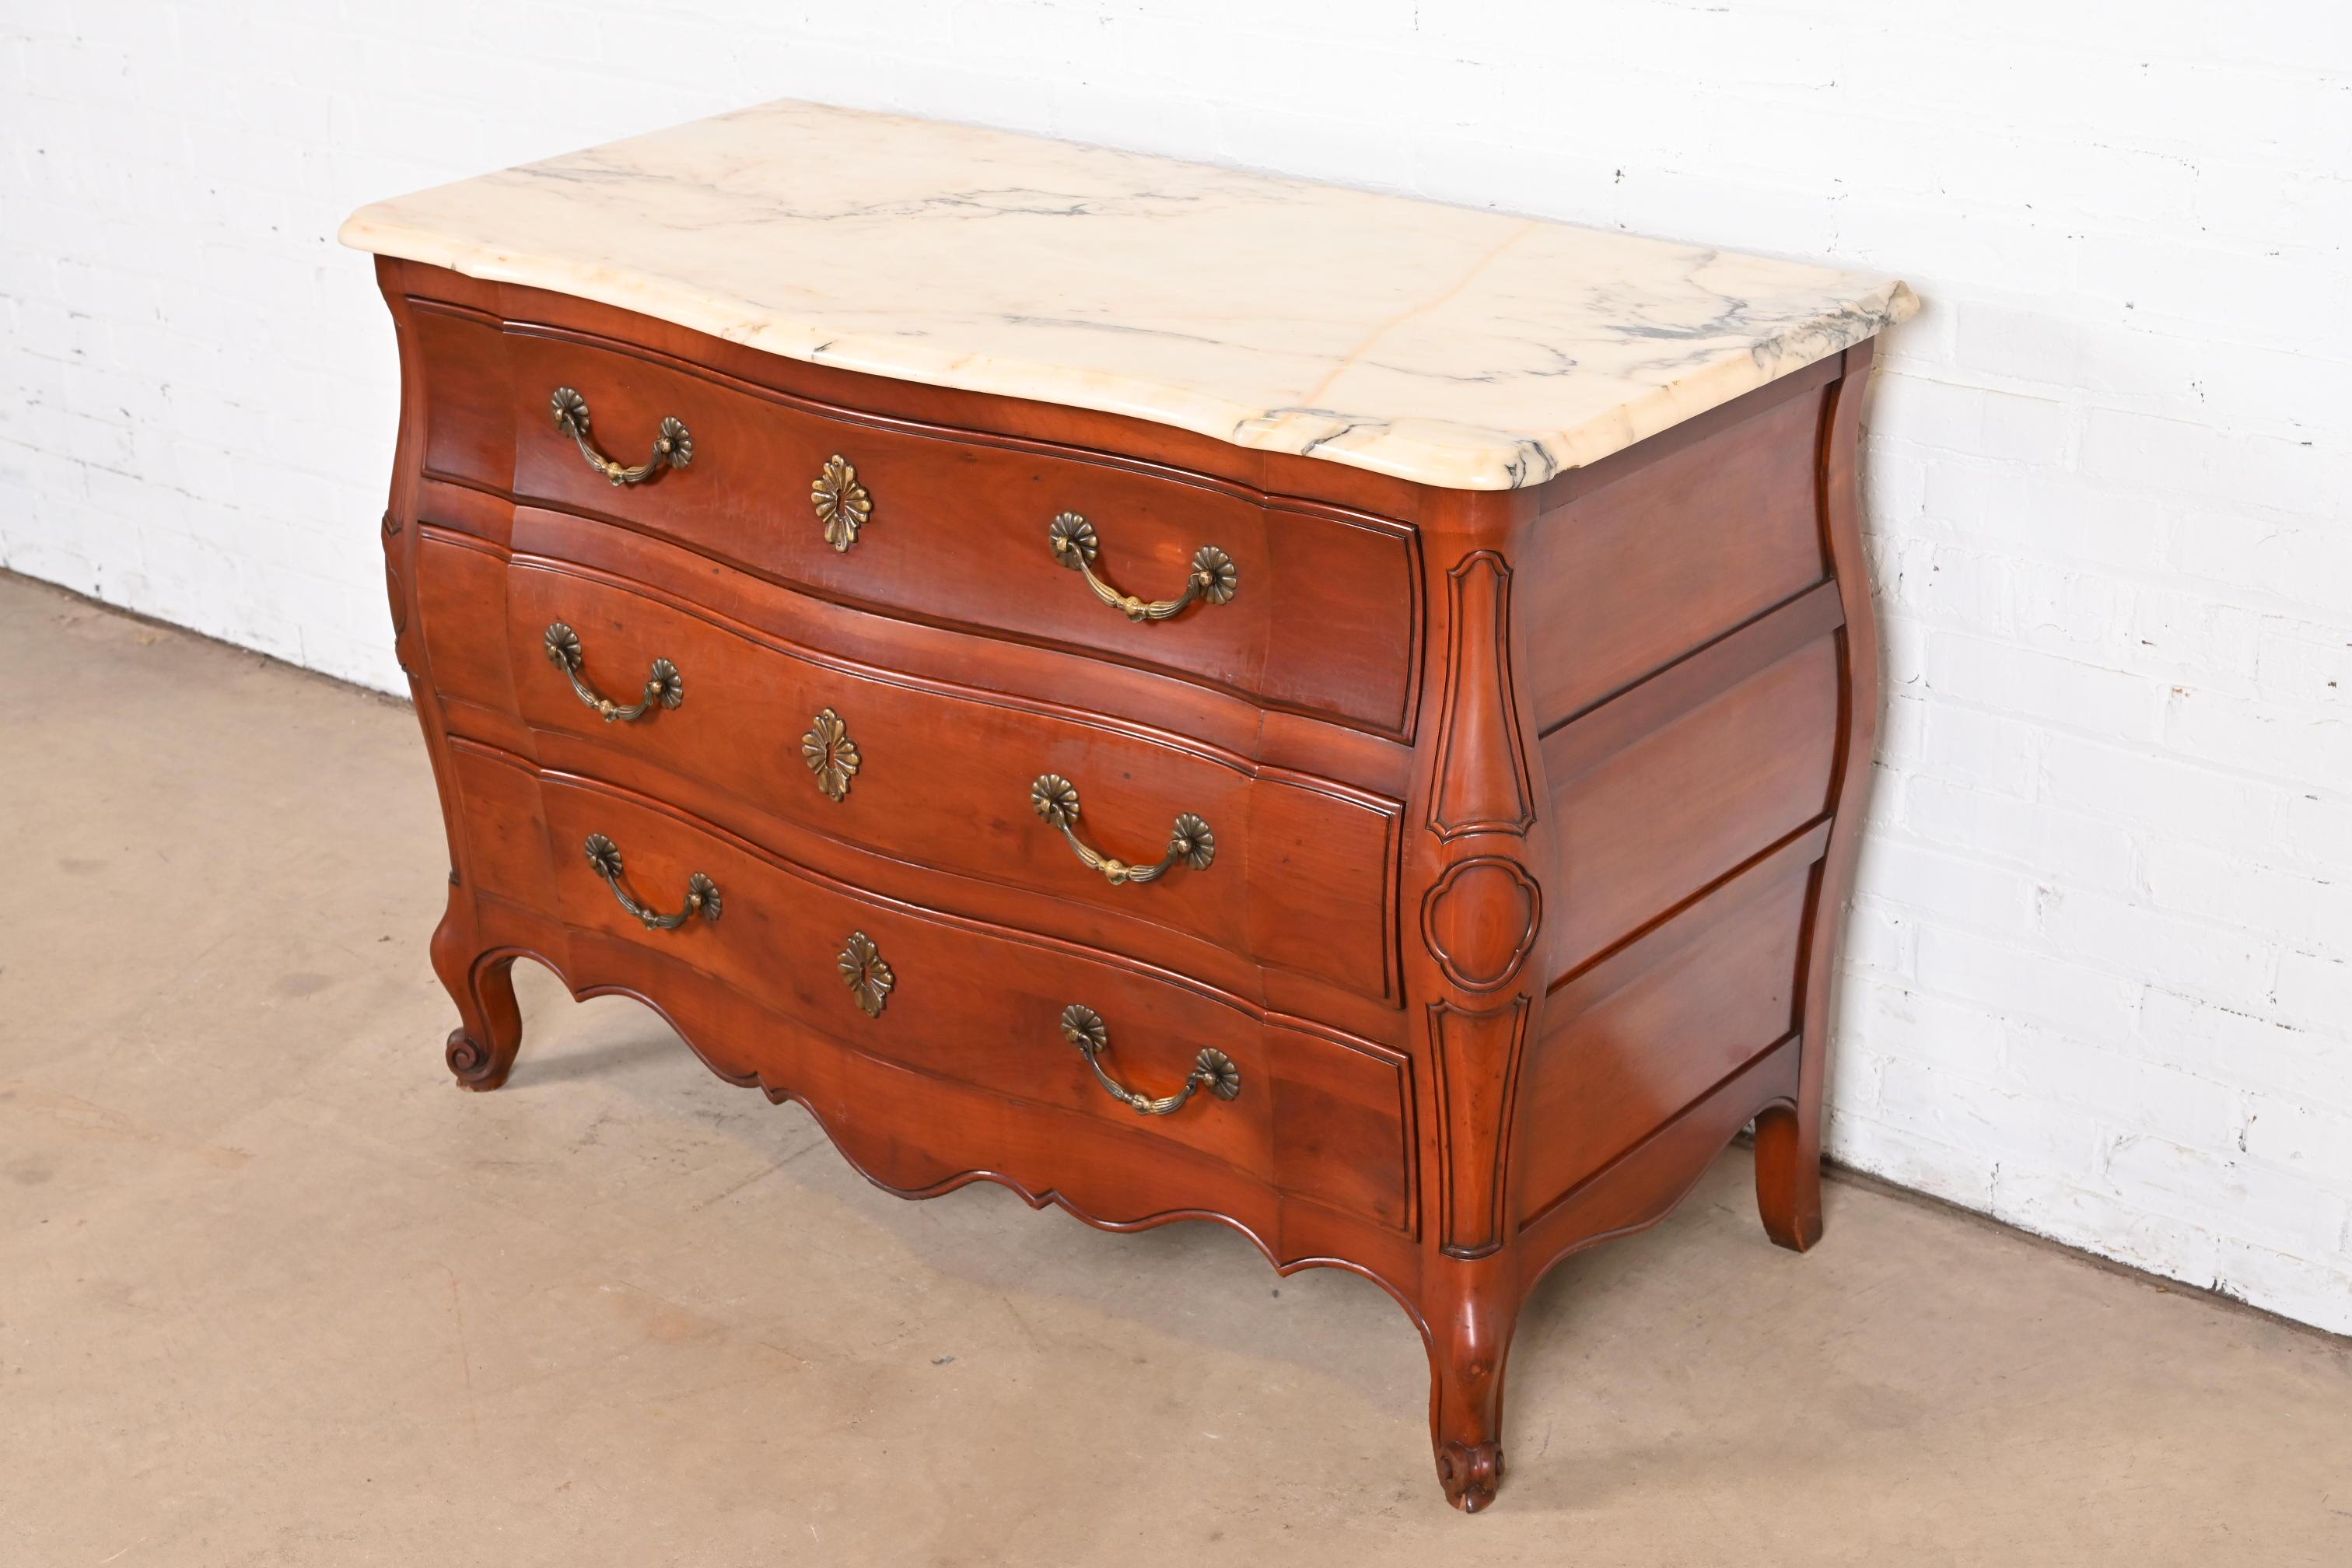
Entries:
{"x":1213,"y":576}
{"x":673,"y":447}
{"x":1212,"y":1069}
{"x":701,"y":893}
{"x":1190,"y":842}
{"x":665,"y":688}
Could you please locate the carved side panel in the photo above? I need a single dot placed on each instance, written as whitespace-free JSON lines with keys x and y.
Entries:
{"x":1476,"y":1056}
{"x":1482,"y":778}
{"x":1478,"y":892}
{"x":1480,"y":921}
{"x":396,"y":590}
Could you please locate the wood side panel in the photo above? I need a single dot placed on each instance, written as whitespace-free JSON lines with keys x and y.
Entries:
{"x":1789,"y":1142}
{"x":965,"y":1004}
{"x":1638,"y":573}
{"x":1643,"y":1185}
{"x":480,"y":1050}
{"x":1698,"y":677}
{"x":1653,"y":823}
{"x":1630,"y":1043}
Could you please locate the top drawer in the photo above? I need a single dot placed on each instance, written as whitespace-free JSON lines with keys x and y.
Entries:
{"x":1310,"y":609}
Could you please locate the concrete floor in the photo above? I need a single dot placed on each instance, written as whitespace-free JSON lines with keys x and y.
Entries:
{"x":273,"y":1291}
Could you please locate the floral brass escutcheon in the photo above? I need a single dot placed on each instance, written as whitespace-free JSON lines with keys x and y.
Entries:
{"x":562,"y":645}
{"x":842,"y":503}
{"x":866,"y":973}
{"x":1055,"y":799}
{"x":830,"y":754}
{"x":603,"y":857}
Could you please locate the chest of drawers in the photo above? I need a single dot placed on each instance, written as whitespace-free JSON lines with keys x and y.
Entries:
{"x":1189,"y":696}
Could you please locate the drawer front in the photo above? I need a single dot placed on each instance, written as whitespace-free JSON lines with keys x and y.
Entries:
{"x":1299,"y":874}
{"x":1310,"y":1114}
{"x":953,"y":528}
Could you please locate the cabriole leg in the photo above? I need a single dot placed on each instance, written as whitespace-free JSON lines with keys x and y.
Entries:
{"x":482,"y":1047}
{"x":1470,"y":1316}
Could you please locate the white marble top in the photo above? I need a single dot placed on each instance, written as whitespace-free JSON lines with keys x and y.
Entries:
{"x":1449,"y":345}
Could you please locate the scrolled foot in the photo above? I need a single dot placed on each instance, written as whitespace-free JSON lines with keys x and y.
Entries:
{"x":1470,"y":1473}
{"x":481,"y":1048}
{"x":473,"y":1064}
{"x":1470,"y":1308}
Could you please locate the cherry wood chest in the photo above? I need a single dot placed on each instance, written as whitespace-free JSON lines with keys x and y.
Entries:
{"x":1418,"y":844}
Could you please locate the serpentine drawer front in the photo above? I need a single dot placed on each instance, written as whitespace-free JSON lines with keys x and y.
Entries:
{"x":1310,"y":1116}
{"x":932,"y":772}
{"x":1191,"y":695}
{"x":1306,"y":608}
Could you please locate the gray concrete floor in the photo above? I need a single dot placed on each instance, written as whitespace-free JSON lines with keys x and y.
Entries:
{"x":273,"y":1291}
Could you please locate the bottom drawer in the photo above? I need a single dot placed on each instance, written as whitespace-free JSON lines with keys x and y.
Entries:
{"x":1304,"y":1112}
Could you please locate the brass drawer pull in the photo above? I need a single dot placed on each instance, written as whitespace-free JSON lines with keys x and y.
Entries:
{"x":1212,"y":1069}
{"x":673,"y":449}
{"x":665,"y":688}
{"x":1214,"y":578}
{"x":1055,"y":799}
{"x":701,"y":892}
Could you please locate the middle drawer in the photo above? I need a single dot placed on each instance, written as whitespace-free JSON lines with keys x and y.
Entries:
{"x":952,"y":779}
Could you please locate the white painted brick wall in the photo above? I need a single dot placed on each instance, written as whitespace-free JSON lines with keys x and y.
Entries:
{"x":2100,"y":980}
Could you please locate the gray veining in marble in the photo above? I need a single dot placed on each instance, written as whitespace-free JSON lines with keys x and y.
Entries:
{"x":1451,"y":346}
